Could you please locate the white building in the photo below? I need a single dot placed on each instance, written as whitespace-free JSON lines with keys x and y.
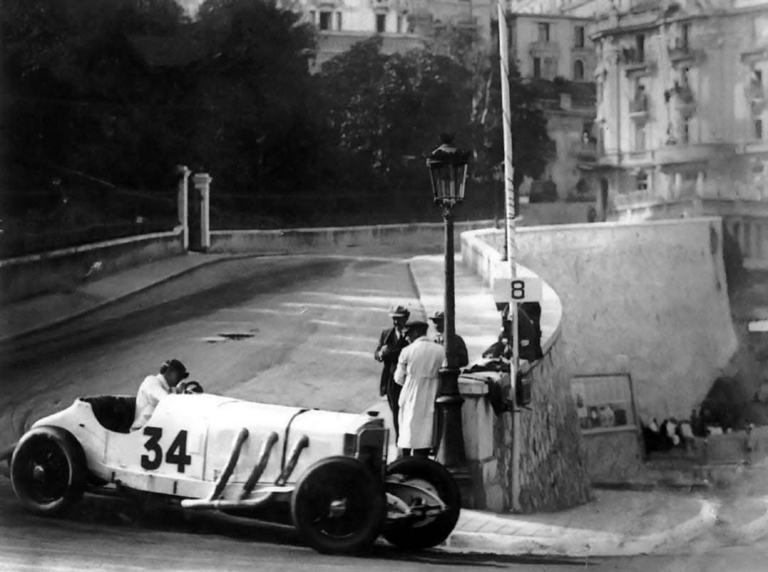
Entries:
{"x":682,"y":113}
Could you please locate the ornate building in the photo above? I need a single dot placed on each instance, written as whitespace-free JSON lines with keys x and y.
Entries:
{"x":682,"y":111}
{"x":402,"y":24}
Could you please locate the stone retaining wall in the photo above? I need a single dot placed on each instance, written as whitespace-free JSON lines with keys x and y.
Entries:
{"x":65,"y":269}
{"x":553,"y":473}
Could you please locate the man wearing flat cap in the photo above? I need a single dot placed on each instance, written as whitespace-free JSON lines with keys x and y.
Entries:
{"x":391,"y":343}
{"x":438,"y":318}
{"x":154,"y":388}
{"x":418,"y":371}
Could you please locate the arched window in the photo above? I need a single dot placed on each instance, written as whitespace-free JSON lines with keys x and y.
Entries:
{"x":578,"y":70}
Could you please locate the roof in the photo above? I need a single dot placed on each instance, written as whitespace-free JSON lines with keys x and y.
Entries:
{"x":180,"y":49}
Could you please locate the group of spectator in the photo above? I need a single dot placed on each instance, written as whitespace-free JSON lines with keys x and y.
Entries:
{"x":410,"y":377}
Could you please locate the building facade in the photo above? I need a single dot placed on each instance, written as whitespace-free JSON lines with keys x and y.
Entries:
{"x":401,"y":24}
{"x":682,"y":114}
{"x":555,"y":52}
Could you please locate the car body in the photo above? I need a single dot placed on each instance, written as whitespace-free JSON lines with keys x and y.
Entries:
{"x":211,"y":452}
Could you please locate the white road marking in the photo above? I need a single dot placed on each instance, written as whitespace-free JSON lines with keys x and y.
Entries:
{"x":333,"y":307}
{"x":355,"y":353}
{"x":760,"y":326}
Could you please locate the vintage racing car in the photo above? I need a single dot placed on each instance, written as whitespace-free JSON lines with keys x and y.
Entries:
{"x":325,"y":472}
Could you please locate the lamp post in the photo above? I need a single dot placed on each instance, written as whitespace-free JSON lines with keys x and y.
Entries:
{"x":448,"y":175}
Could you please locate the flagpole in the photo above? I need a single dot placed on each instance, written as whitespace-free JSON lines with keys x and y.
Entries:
{"x":509,"y":191}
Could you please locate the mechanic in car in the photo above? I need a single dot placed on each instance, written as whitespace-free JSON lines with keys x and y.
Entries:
{"x":154,"y":388}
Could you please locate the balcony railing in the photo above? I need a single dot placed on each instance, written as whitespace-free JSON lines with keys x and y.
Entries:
{"x":585,"y":150}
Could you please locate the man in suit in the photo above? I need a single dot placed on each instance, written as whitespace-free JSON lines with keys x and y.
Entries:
{"x":391,"y":343}
{"x":438,"y":318}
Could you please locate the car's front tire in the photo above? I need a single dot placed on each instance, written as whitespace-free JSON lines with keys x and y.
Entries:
{"x":427,"y":475}
{"x":339,"y":506}
{"x":48,"y":470}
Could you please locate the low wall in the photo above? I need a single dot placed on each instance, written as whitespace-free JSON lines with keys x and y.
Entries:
{"x":650,"y":299}
{"x":553,"y":473}
{"x":63,"y":270}
{"x":313,"y":239}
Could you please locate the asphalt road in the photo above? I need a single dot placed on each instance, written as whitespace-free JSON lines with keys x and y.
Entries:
{"x":300,"y":331}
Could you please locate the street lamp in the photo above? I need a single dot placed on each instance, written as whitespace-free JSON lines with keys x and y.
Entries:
{"x":448,"y":174}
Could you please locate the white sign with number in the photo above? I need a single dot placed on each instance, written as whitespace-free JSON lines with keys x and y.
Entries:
{"x":519,"y":290}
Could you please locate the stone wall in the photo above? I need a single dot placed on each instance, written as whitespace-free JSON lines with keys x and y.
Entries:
{"x":299,"y":240}
{"x":63,"y":270}
{"x":648,"y":299}
{"x":553,"y":473}
{"x":553,"y":470}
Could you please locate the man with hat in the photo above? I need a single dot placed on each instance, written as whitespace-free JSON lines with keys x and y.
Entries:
{"x":438,"y":318}
{"x":391,"y":343}
{"x":154,"y":388}
{"x":418,"y":371}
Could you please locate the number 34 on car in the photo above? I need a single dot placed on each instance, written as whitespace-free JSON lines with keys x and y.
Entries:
{"x":324,"y":472}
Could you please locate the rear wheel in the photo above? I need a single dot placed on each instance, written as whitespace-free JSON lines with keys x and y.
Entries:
{"x":339,"y":506}
{"x":48,"y":470}
{"x":415,"y":481}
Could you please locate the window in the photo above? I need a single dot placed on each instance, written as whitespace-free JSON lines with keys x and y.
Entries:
{"x":685,"y":32}
{"x":399,"y":23}
{"x":549,"y":68}
{"x":312,"y":16}
{"x":579,"y":36}
{"x":640,"y":48}
{"x":685,"y":132}
{"x":578,"y":70}
{"x":639,"y":138}
{"x":381,"y":23}
{"x":543,"y":32}
{"x":641,"y":181}
{"x":759,"y":129}
{"x":338,"y":20}
{"x":537,"y":67}
{"x":325,"y":20}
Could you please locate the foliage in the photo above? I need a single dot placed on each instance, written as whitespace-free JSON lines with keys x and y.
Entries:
{"x":124,"y":90}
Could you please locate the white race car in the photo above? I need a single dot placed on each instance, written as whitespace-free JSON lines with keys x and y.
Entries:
{"x":326,"y":470}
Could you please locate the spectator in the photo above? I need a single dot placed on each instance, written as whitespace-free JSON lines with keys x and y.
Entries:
{"x":418,"y":372}
{"x":438,"y":318}
{"x":391,"y":343}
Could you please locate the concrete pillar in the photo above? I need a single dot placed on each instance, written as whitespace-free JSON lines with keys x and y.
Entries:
{"x":202,"y":183}
{"x":183,"y":204}
{"x":677,"y":186}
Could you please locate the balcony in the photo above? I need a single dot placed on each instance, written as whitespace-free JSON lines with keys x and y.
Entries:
{"x":680,"y":52}
{"x":585,"y":151}
{"x":677,"y":154}
{"x":636,"y":63}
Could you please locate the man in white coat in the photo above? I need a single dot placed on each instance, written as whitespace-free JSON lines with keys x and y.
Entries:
{"x":418,"y":371}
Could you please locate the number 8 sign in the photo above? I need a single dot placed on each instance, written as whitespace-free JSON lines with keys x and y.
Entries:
{"x":526,"y":289}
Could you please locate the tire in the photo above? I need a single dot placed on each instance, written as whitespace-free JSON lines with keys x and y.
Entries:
{"x":48,"y":470}
{"x":360,"y":518}
{"x":432,"y":530}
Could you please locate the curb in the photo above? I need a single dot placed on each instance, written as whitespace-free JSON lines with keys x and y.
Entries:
{"x":583,"y":543}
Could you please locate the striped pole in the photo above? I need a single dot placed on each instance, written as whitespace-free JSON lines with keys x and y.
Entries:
{"x":509,"y":191}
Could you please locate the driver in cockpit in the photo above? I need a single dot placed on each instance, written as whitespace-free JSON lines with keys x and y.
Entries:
{"x":154,"y":388}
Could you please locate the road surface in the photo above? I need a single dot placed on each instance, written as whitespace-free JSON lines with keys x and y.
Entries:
{"x":294,"y":330}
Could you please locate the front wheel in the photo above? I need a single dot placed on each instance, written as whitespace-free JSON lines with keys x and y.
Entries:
{"x":48,"y":470}
{"x":421,"y":485}
{"x":338,"y":506}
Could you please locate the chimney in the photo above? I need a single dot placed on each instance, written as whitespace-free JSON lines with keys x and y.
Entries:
{"x":565,"y":101}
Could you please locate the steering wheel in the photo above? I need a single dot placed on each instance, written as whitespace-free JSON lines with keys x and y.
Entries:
{"x":190,"y":387}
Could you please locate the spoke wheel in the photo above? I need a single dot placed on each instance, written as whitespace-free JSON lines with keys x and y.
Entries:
{"x":338,"y":506}
{"x":429,"y":530}
{"x":48,"y":470}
